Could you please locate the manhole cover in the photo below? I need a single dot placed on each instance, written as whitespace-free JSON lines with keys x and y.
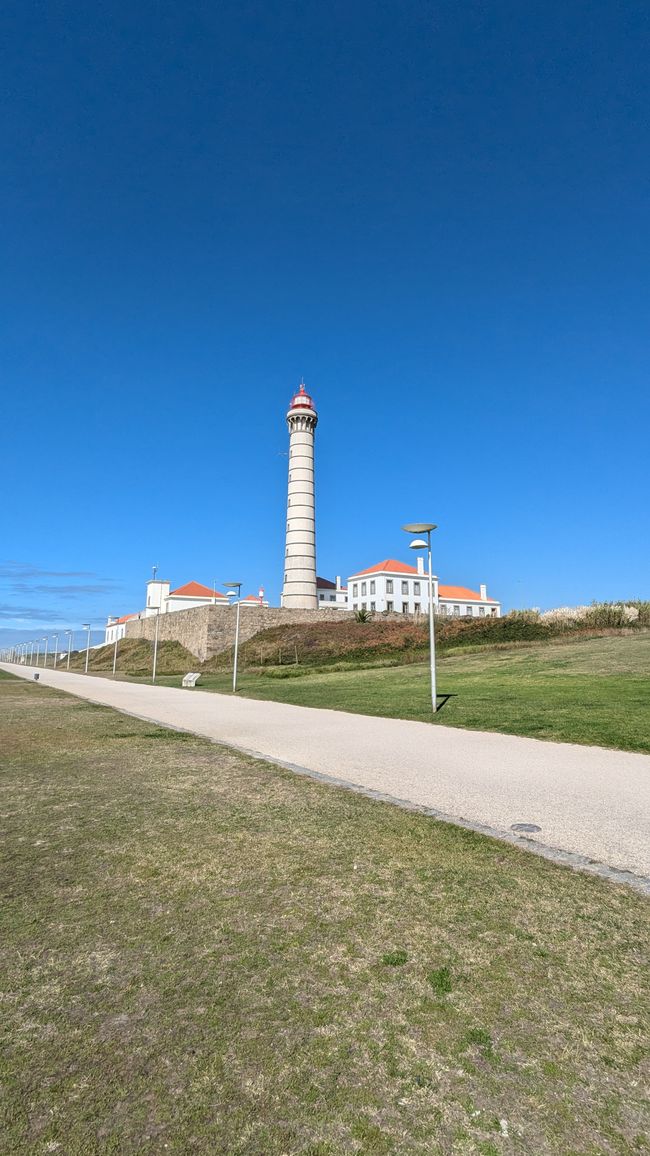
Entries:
{"x":525,"y":827}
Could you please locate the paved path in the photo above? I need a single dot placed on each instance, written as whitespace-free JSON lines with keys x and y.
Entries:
{"x":587,"y":801}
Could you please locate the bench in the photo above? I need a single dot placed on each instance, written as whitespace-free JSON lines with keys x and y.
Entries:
{"x":191,"y":679}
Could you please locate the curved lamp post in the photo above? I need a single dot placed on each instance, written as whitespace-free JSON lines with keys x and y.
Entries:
{"x":420,"y":544}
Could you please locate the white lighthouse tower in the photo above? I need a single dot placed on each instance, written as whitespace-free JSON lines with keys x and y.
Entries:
{"x":299,"y":587}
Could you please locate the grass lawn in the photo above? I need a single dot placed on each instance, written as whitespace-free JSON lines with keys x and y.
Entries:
{"x":583,"y":691}
{"x":202,"y":953}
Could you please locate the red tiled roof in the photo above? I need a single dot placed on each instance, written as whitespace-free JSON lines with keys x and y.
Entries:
{"x":124,"y":618}
{"x":196,"y":590}
{"x":325,"y":584}
{"x":388,"y":566}
{"x":253,"y":598}
{"x":461,"y":593}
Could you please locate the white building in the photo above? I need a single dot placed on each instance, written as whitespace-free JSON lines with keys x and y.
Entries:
{"x":398,"y":588}
{"x":331,"y":595}
{"x":162,"y":600}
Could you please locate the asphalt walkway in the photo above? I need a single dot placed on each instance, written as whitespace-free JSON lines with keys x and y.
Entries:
{"x":590,"y":803}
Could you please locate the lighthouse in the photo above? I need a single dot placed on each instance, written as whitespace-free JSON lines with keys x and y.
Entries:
{"x":299,"y":587}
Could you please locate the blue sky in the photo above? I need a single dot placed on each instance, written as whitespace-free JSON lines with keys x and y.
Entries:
{"x":437,"y":213}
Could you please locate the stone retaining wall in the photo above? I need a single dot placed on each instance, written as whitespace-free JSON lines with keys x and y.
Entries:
{"x":209,"y":630}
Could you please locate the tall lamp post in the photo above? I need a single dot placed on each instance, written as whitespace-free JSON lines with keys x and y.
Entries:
{"x":69,"y":635}
{"x":56,"y":649}
{"x":38,"y":651}
{"x":117,"y":635}
{"x":155,"y":647}
{"x":86,"y":626}
{"x":420,"y":544}
{"x":45,"y":655}
{"x":234,"y":590}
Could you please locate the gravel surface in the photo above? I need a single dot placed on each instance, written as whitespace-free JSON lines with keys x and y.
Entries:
{"x":585,"y":800}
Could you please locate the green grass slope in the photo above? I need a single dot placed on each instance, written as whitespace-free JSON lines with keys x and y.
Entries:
{"x":594,"y":691}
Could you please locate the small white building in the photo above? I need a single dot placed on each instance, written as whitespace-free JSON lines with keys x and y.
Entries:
{"x":396,"y":587}
{"x":162,"y":600}
{"x":331,"y":595}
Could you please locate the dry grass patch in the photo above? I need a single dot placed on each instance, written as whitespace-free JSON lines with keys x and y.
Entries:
{"x":204,"y":953}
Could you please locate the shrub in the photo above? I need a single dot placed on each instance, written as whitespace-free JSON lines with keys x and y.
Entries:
{"x":363,"y":616}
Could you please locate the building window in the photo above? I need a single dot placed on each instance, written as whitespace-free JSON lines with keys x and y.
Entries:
{"x":372,"y":606}
{"x":405,"y":607}
{"x":389,"y":585}
{"x":364,"y":588}
{"x":389,"y":607}
{"x":481,"y":612}
{"x":322,"y":597}
{"x":332,"y":597}
{"x":355,"y":590}
{"x":372,"y":587}
{"x":469,"y":611}
{"x":442,"y":610}
{"x":456,"y":610}
{"x":363,"y":606}
{"x":416,"y":587}
{"x":405,"y":587}
{"x":416,"y":607}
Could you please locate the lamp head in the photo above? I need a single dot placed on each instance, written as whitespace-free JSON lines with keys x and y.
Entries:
{"x":418,"y":544}
{"x":419,"y":527}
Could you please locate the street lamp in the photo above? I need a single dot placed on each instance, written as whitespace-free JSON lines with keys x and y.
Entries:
{"x":420,"y":544}
{"x":234,"y":591}
{"x":70,"y":636}
{"x":45,"y":655}
{"x":86,"y":626}
{"x":56,"y":649}
{"x":155,"y":647}
{"x":31,"y":653}
{"x":117,"y":635}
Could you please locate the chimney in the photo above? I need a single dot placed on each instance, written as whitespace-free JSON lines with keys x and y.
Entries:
{"x":483,"y":590}
{"x":338,"y":581}
{"x":420,"y":564}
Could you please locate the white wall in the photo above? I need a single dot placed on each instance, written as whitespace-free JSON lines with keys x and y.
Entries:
{"x":413,"y":598}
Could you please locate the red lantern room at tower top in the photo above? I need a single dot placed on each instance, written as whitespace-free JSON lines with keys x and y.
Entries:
{"x":302,"y":401}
